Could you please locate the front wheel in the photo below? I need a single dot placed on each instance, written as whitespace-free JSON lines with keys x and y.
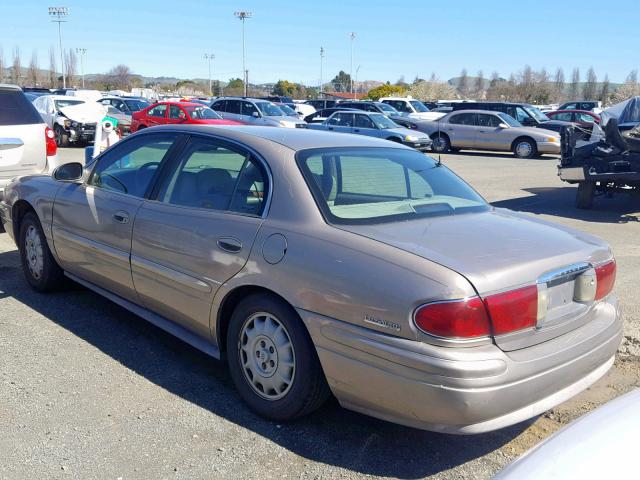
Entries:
{"x":525,"y":148}
{"x":440,"y":144}
{"x":272,"y":360}
{"x":40,"y":268}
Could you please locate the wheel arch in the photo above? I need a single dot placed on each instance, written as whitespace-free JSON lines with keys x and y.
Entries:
{"x":523,"y":137}
{"x":18,"y":211}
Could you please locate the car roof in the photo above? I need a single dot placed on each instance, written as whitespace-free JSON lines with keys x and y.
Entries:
{"x":475,"y":110}
{"x":66,"y":97}
{"x":8,"y":86}
{"x":293,"y":138}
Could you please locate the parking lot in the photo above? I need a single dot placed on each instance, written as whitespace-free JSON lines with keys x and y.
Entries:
{"x":92,"y":391}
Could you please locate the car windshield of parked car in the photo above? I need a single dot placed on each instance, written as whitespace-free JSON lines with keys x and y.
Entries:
{"x":509,"y":120}
{"x":268,"y":109}
{"x":419,"y":106}
{"x":388,"y":109}
{"x":537,"y":114}
{"x":202,"y":113}
{"x":67,"y":103}
{"x":374,"y":185}
{"x":136,"y":105}
{"x":383,"y":121}
{"x":288,"y":110}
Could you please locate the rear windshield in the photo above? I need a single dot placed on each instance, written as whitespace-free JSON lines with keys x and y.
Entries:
{"x":16,"y":109}
{"x":375,"y":185}
{"x":136,"y":105}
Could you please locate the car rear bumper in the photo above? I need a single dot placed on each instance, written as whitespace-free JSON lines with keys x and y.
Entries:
{"x":549,"y":147}
{"x":461,"y":390}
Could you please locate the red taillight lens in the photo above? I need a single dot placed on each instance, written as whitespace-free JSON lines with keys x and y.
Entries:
{"x":513,"y":310}
{"x":606,"y":277}
{"x":50,"y":140}
{"x":465,"y":318}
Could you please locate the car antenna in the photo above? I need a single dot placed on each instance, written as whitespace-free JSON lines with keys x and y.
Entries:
{"x":439,"y":162}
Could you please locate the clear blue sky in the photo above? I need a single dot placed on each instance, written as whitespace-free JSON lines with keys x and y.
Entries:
{"x":409,"y":38}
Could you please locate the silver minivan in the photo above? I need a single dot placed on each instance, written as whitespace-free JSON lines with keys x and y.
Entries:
{"x":255,"y":112}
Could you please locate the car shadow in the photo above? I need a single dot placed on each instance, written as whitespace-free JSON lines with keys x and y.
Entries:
{"x":560,"y":202}
{"x":484,"y":153}
{"x":332,"y":435}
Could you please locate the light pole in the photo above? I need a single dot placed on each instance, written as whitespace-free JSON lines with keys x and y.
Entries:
{"x":356,"y":82}
{"x":242,"y":15}
{"x":209,"y":57}
{"x":57,"y":15}
{"x":81,"y":52}
{"x":352,"y":35}
{"x":321,"y":59}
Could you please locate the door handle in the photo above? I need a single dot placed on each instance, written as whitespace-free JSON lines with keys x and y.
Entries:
{"x":356,"y":129}
{"x":121,"y":217}
{"x":229,"y":244}
{"x":329,"y":128}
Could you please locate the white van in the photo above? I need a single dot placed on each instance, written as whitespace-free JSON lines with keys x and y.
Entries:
{"x":411,"y":108}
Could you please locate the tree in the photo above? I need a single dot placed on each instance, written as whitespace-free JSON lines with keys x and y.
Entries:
{"x":2,"y":69}
{"x":285,"y":88}
{"x":16,"y":67}
{"x":385,"y":90}
{"x":463,"y":83}
{"x":401,"y":83}
{"x":235,"y":83}
{"x":34,"y":71}
{"x":432,"y":91}
{"x":558,"y":84}
{"x":589,"y":91}
{"x":479,"y":85}
{"x":71,"y":62}
{"x":574,"y":87}
{"x":604,"y":91}
{"x":52,"y":68}
{"x":341,"y":82}
{"x":629,"y":89}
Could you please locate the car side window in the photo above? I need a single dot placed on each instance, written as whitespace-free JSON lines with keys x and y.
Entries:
{"x":463,"y":119}
{"x":565,"y":116}
{"x":175,"y":112}
{"x":363,"y":121}
{"x":233,"y":106}
{"x":583,"y":117}
{"x":521,"y":115}
{"x":570,"y":106}
{"x":485,"y":120}
{"x":215,"y":177}
{"x":248,"y":109}
{"x":130,"y":167}
{"x":219,"y":106}
{"x":335,"y":119}
{"x":157,"y":111}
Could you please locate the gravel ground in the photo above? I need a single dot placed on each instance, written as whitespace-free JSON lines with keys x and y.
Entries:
{"x":88,"y":390}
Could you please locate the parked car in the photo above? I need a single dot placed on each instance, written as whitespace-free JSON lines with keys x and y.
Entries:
{"x":127,"y":105}
{"x":73,"y":120}
{"x":373,"y":125}
{"x":582,"y":118}
{"x":600,"y":444}
{"x":320,"y":116}
{"x":589,"y":105}
{"x":322,"y":104}
{"x":526,"y":114}
{"x":124,"y":121}
{"x":27,"y":144}
{"x":163,"y":113}
{"x":411,"y":108}
{"x":369,"y":106}
{"x":255,"y":112}
{"x":487,"y":130}
{"x":321,"y":263}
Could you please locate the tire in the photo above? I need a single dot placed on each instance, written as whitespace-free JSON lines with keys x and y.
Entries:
{"x":524,"y":148}
{"x":441,"y":143}
{"x":40,"y":268}
{"x":62,"y":137}
{"x":256,"y":369}
{"x":585,"y":194}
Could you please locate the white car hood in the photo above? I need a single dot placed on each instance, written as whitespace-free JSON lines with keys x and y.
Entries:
{"x":427,"y":115}
{"x":89,"y":112}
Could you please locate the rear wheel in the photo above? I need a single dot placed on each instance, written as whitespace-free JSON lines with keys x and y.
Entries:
{"x":273,"y":361}
{"x":62,"y":137}
{"x":40,"y":268}
{"x":441,"y":143}
{"x":525,"y":148}
{"x":584,"y":195}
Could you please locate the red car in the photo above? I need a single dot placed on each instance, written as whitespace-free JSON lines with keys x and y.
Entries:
{"x":583,"y":118}
{"x":164,"y":113}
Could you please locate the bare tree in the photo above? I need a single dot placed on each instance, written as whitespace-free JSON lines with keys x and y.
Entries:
{"x":479,"y":85}
{"x":71,"y":62}
{"x":119,"y":77}
{"x":527,"y":84}
{"x":463,"y":83}
{"x":589,"y":91}
{"x":2,"y":69}
{"x":16,"y":67}
{"x":53,"y":77}
{"x":629,"y":89}
{"x":605,"y":90}
{"x":558,"y":84}
{"x":433,"y":78}
{"x":574,"y":86}
{"x":34,"y":71}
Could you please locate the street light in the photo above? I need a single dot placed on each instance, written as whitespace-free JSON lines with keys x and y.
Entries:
{"x":57,"y":15}
{"x":356,"y":82}
{"x":209,"y":57}
{"x":352,"y":35}
{"x":242,"y":15}
{"x":321,"y":58}
{"x":82,"y":52}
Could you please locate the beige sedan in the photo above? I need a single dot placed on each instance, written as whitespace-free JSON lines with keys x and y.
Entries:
{"x":486,"y":130}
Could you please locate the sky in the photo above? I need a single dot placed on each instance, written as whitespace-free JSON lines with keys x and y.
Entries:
{"x":283,"y":38}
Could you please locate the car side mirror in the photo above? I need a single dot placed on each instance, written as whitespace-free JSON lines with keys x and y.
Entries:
{"x":69,"y":172}
{"x":503,"y":125}
{"x":255,"y":115}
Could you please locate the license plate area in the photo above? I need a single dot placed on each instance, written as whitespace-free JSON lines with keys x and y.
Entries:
{"x":561,"y":295}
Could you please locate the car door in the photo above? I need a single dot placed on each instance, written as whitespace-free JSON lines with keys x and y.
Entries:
{"x":157,"y":115}
{"x":340,"y":122}
{"x":250,"y":114}
{"x":462,"y":130}
{"x":92,"y":221}
{"x":489,"y":135}
{"x":198,"y":229}
{"x":363,"y":125}
{"x":176,"y":114}
{"x":234,"y":112}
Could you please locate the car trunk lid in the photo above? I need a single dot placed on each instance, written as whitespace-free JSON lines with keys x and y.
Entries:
{"x":22,"y":150}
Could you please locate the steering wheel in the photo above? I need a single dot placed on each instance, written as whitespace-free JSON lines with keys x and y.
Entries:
{"x":142,"y":176}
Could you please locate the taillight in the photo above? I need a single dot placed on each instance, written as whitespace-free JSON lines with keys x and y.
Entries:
{"x":513,"y":310}
{"x":606,"y":277}
{"x":50,"y":140}
{"x":466,"y":318}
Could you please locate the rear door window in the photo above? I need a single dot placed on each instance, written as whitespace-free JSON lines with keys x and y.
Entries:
{"x":233,"y":106}
{"x":16,"y":109}
{"x":491,"y":121}
{"x":463,"y":119}
{"x":219,"y":106}
{"x":158,"y":111}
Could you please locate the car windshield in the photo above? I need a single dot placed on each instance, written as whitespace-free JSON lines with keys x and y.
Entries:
{"x":202,"y":113}
{"x":288,"y":110}
{"x":382,"y":121}
{"x":537,"y":114}
{"x":509,"y":120}
{"x":67,"y":103}
{"x":136,"y":105}
{"x":375,"y":185}
{"x":268,"y":109}
{"x":387,"y":108}
{"x":419,"y":106}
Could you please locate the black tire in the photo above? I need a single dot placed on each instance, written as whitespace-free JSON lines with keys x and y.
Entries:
{"x":50,"y":276}
{"x":441,"y":143}
{"x":524,"y":148}
{"x":308,"y":389}
{"x":584,"y":195}
{"x":62,"y":137}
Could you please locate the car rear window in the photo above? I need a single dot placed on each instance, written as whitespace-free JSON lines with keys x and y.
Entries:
{"x":374,"y":185}
{"x":16,"y":109}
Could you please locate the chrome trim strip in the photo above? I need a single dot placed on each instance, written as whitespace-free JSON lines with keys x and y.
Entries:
{"x":564,"y":272}
{"x":170,"y":274}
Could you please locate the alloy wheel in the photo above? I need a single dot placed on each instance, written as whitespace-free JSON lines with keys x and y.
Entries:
{"x":34,"y":253}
